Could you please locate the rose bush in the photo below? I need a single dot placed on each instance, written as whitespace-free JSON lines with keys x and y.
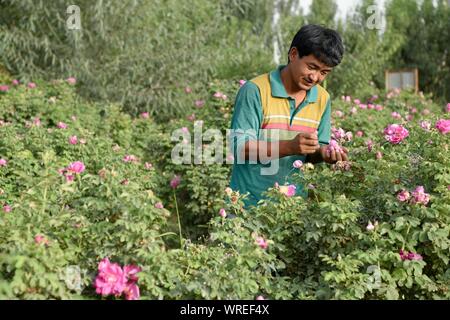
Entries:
{"x":88,"y":196}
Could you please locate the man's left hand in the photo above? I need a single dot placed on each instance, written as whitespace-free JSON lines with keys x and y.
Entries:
{"x":333,"y":156}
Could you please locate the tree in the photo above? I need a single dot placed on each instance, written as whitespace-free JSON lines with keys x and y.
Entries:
{"x":139,"y":53}
{"x":323,"y":12}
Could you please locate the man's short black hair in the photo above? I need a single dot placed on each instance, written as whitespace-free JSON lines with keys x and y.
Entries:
{"x":325,"y":44}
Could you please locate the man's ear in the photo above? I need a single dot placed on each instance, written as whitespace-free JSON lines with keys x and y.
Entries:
{"x":293,"y":53}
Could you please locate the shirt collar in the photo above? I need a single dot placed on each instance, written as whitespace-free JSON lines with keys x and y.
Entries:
{"x":278,"y":90}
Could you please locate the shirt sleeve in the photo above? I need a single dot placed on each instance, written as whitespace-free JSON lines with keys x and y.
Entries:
{"x":324,"y":131}
{"x":247,"y":118}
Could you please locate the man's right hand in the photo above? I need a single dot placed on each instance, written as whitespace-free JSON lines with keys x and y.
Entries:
{"x":305,"y":143}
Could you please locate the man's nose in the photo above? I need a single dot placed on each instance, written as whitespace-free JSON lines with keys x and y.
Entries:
{"x":314,"y":77}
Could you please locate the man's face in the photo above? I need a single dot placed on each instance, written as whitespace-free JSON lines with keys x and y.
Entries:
{"x":307,"y":71}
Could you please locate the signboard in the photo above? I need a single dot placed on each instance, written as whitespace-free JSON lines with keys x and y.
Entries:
{"x":402,"y":79}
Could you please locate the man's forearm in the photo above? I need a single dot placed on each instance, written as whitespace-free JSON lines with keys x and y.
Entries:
{"x":257,"y":150}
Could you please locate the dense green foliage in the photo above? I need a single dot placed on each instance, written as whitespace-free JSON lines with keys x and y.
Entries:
{"x":54,"y":232}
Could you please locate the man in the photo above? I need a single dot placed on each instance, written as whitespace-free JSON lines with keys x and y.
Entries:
{"x":284,"y":116}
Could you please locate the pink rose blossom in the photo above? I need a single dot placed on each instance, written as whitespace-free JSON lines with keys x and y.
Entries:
{"x":297,"y":164}
{"x":405,"y":255}
{"x":426,"y":112}
{"x":395,"y":133}
{"x":111,"y":279}
{"x":357,"y":101}
{"x":337,"y":134}
{"x":353,"y":110}
{"x":131,"y":291}
{"x":73,"y":140}
{"x":448,"y":107}
{"x":40,"y":239}
{"x":129,"y":158}
{"x":228,"y":191}
{"x":185,"y":130}
{"x":403,"y":196}
{"x":191,"y":117}
{"x":263,"y":244}
{"x":7,"y":208}
{"x":15,"y":82}
{"x":414,"y":110}
{"x":69,"y":178}
{"x":3,"y":162}
{"x":409,"y":117}
{"x":71,"y":80}
{"x":220,"y":95}
{"x":414,"y":256}
{"x":379,"y":155}
{"x":82,"y":141}
{"x":260,"y":298}
{"x":131,"y":271}
{"x":443,"y":126}
{"x":359,"y":133}
{"x":242,"y":82}
{"x":199,"y":103}
{"x":37,"y":122}
{"x":76,"y":167}
{"x":339,"y":113}
{"x":148,"y":165}
{"x":363,"y":106}
{"x":175,"y":182}
{"x":31,"y":85}
{"x":188,"y":90}
{"x":348,"y":136}
{"x":289,"y":191}
{"x":378,"y":107}
{"x":425,"y":125}
{"x":222,"y":213}
{"x":419,"y":196}
{"x":396,"y":115}
{"x":61,"y":125}
{"x":145,"y":115}
{"x":159,"y":205}
{"x":348,"y":99}
{"x":4,"y":88}
{"x":370,"y":226}
{"x":370,"y":106}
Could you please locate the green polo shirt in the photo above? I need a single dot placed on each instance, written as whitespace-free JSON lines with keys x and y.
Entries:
{"x":247,"y":117}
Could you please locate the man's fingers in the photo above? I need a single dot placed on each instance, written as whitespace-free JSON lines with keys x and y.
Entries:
{"x":338,"y":156}
{"x":333,"y":155}
{"x":344,"y":156}
{"x":310,"y":142}
{"x":309,"y":135}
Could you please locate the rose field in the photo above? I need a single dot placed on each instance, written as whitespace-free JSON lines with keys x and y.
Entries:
{"x":92,"y":206}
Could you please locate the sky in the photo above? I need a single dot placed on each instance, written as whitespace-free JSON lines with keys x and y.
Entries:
{"x":344,"y":6}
